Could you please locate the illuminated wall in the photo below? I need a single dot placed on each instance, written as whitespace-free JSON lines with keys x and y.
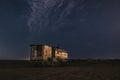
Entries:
{"x":61,"y":54}
{"x":47,"y":52}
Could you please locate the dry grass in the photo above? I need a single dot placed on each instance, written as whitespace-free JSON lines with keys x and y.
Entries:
{"x":61,"y":73}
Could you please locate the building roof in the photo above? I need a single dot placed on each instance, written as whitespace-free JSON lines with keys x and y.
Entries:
{"x":56,"y":47}
{"x":38,"y":44}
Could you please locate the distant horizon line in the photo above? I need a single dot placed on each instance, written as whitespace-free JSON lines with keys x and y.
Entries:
{"x":68,"y":59}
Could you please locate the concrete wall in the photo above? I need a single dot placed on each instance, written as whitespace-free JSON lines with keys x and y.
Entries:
{"x":61,"y":54}
{"x":36,"y":53}
{"x":47,"y":52}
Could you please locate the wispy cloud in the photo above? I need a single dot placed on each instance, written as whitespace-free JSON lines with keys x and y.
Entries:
{"x":50,"y":15}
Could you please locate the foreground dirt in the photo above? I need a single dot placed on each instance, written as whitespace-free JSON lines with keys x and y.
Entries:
{"x":61,"y":73}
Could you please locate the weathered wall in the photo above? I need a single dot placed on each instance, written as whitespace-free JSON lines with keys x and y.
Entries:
{"x":36,"y":53}
{"x":61,"y":54}
{"x":47,"y":52}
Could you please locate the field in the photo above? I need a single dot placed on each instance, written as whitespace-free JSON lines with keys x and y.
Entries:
{"x":73,"y":70}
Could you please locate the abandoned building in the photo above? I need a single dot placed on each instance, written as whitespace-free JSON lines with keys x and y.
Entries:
{"x":48,"y":54}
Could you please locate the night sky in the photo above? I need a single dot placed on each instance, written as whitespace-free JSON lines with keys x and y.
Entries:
{"x":85,"y":28}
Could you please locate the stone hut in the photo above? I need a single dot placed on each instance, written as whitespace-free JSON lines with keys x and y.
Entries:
{"x":48,"y":54}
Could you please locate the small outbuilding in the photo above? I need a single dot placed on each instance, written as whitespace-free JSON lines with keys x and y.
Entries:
{"x":48,"y":54}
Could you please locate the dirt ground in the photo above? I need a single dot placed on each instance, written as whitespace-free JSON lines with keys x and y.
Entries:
{"x":61,"y":73}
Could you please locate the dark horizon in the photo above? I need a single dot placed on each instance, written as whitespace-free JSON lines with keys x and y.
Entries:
{"x":85,"y":28}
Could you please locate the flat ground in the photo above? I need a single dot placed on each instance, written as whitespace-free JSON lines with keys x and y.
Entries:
{"x":87,"y":72}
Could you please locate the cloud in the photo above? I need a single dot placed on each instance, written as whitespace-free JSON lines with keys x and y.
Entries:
{"x":51,"y":15}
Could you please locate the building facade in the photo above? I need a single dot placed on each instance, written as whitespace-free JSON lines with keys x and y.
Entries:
{"x":48,"y":54}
